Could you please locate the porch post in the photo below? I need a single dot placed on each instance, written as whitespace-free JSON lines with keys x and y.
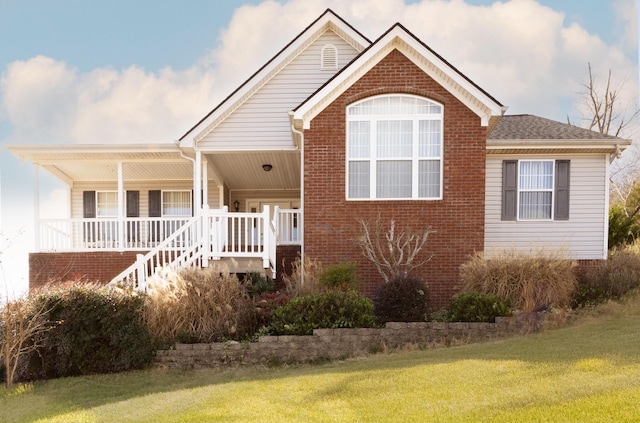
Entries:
{"x":36,"y":208}
{"x":205,"y":184}
{"x":121,"y":206}
{"x":197,"y":183}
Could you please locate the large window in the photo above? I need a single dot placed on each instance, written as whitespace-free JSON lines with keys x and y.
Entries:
{"x":176,"y":203}
{"x":394,"y":148}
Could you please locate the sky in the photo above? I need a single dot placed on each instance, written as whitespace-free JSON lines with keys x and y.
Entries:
{"x":122,"y":71}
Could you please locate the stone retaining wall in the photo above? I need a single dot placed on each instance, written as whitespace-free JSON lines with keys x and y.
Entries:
{"x":344,"y":343}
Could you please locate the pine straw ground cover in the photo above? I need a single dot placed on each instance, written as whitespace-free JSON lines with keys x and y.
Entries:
{"x":589,"y":372}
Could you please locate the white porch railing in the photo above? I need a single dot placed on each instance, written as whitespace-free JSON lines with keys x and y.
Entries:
{"x":146,"y":233}
{"x":289,"y":226}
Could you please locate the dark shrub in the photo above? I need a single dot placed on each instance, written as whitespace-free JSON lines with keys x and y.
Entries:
{"x":330,"y":310}
{"x":476,"y":307}
{"x":339,"y":277}
{"x":256,"y":284}
{"x":95,"y":330}
{"x":265,"y":304}
{"x":610,"y":280}
{"x":402,"y":300}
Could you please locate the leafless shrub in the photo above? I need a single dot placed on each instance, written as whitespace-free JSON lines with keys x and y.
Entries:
{"x":531,"y":281}
{"x":393,"y":253}
{"x":21,"y":323}
{"x":197,"y":305}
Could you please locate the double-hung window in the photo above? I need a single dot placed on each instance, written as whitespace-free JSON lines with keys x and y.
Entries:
{"x":176,"y":203}
{"x":394,"y":148}
{"x":535,"y":189}
{"x":106,"y":204}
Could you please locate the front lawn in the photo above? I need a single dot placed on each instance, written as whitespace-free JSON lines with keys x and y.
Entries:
{"x":586,"y":373}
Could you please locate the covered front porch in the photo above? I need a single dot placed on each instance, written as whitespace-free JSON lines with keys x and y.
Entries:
{"x":162,"y":206}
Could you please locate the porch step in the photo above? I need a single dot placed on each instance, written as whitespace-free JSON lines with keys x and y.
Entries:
{"x":239,"y":265}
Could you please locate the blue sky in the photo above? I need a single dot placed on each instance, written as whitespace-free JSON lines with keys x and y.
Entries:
{"x":54,"y":56}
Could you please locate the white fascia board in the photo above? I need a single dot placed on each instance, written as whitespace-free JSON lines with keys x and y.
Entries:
{"x":99,"y":152}
{"x":264,"y":75}
{"x":620,"y":144}
{"x":397,"y":38}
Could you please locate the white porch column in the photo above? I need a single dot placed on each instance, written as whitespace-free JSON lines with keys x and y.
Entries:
{"x":121,"y":206}
{"x":205,"y":184}
{"x":197,"y":183}
{"x":36,"y":208}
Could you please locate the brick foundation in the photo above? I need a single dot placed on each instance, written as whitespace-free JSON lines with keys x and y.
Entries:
{"x":98,"y":267}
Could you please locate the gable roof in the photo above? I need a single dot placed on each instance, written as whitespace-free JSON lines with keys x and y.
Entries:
{"x":328,"y":20}
{"x":531,"y":134}
{"x":398,"y":37}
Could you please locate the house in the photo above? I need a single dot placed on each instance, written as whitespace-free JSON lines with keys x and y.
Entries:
{"x":332,"y":130}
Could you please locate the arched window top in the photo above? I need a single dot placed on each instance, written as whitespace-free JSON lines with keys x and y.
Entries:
{"x":394,"y":104}
{"x":329,"y":57}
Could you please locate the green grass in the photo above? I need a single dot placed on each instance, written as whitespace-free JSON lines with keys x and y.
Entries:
{"x":589,"y":372}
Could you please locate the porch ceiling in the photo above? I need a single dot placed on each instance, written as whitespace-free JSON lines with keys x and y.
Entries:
{"x":100,"y":163}
{"x":243,"y":170}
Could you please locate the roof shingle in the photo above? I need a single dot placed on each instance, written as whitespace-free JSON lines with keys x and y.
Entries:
{"x":520,"y":127}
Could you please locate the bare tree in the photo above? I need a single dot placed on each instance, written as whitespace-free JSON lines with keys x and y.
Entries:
{"x":21,"y":323}
{"x":605,"y":113}
{"x":393,"y":253}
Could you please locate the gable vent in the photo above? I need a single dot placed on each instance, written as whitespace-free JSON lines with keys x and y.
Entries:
{"x":329,"y":57}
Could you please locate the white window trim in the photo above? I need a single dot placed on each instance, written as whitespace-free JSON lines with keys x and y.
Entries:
{"x":176,"y":215}
{"x":552,"y":190}
{"x":415,"y":159}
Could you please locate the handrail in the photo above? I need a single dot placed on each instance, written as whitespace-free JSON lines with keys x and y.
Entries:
{"x":211,"y":235}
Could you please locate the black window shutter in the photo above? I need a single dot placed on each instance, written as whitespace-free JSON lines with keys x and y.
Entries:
{"x":88,"y":204}
{"x":133,"y":203}
{"x":509,"y":189}
{"x":155,"y":203}
{"x":561,"y":211}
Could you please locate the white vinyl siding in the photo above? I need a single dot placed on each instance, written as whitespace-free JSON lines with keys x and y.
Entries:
{"x":584,"y":234}
{"x":262,"y":122}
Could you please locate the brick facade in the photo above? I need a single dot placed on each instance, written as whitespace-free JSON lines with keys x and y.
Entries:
{"x":98,"y":267}
{"x":331,"y":222}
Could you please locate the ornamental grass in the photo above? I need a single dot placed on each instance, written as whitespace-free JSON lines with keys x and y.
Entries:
{"x":532,"y":281}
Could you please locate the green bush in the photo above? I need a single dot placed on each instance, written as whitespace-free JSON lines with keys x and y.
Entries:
{"x":533,"y":281}
{"x":339,"y":277}
{"x":476,"y":307}
{"x":256,"y":284}
{"x":402,"y":300}
{"x":611,"y":279}
{"x":622,"y":230}
{"x":330,"y":310}
{"x":96,"y":329}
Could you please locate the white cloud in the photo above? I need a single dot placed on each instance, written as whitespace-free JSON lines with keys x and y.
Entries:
{"x":519,"y":51}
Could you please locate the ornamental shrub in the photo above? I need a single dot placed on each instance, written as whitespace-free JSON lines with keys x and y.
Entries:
{"x":198,"y":305}
{"x":329,"y":310}
{"x":402,"y":300}
{"x":339,"y":277}
{"x":476,"y":307}
{"x":533,"y":281}
{"x":611,"y":279}
{"x":94,"y":329}
{"x":257,"y":284}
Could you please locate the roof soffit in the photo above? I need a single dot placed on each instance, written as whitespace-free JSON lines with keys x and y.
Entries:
{"x":327,"y":21}
{"x":433,"y":65}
